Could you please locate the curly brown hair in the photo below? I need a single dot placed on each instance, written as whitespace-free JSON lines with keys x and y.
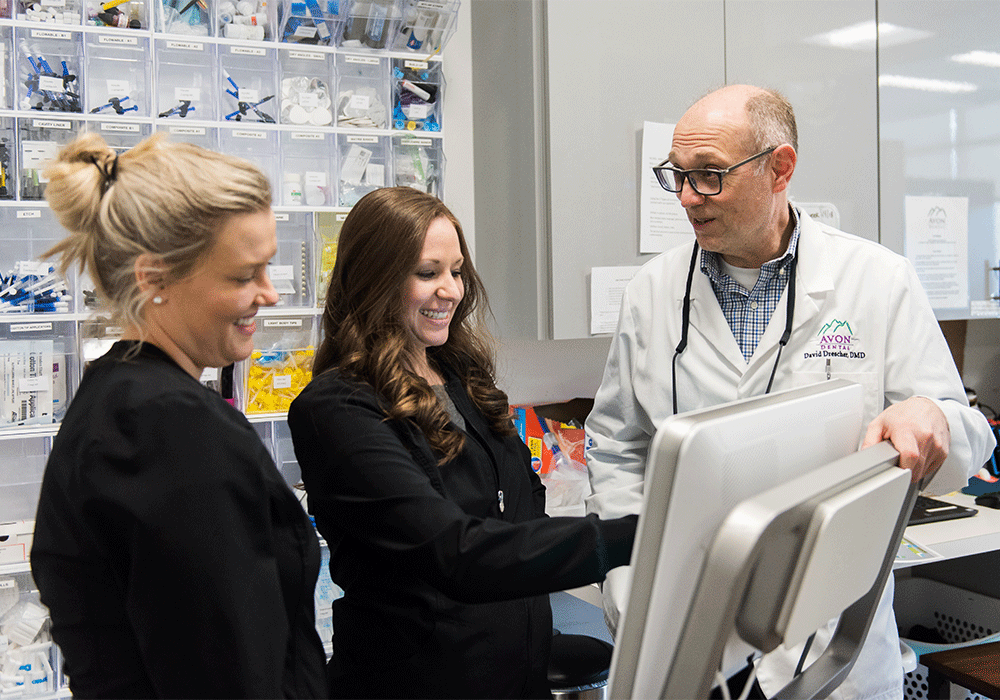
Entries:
{"x":364,"y":337}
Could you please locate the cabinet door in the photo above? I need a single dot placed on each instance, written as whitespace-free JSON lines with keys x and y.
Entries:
{"x":821,"y":56}
{"x":939,"y":130}
{"x":611,"y":67}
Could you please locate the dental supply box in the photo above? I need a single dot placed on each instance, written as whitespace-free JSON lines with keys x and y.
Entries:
{"x":15,"y":541}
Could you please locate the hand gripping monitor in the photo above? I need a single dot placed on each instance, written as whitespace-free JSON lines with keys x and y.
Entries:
{"x":760,"y":520}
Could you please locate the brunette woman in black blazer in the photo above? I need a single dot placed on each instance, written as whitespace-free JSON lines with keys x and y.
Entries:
{"x":418,"y":480}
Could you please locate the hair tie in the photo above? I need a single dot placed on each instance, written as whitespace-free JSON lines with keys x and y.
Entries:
{"x":109,"y":171}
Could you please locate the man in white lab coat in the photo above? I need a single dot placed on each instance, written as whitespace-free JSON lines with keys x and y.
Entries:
{"x":860,"y":314}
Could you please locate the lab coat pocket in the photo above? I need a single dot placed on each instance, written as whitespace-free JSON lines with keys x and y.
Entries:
{"x":871,"y":383}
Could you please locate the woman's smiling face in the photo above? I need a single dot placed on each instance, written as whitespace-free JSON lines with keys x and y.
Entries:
{"x":207,"y":318}
{"x":434,"y":288}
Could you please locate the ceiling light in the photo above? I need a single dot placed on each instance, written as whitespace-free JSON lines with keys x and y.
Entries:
{"x":926,"y":84}
{"x":990,"y":59}
{"x":864,"y":35}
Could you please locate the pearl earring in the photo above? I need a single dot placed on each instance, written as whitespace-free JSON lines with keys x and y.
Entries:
{"x":157,"y":300}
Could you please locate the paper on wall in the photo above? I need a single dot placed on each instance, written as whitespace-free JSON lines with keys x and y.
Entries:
{"x":663,"y":223}
{"x":607,"y":285}
{"x":937,"y":243}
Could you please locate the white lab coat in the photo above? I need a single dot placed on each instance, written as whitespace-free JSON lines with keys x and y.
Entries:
{"x":855,"y":300}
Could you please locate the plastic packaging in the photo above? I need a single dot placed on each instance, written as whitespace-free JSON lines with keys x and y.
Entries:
{"x":276,"y":377}
{"x":291,"y":190}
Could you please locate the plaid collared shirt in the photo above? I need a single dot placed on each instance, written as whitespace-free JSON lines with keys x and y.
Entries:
{"x":749,"y":312}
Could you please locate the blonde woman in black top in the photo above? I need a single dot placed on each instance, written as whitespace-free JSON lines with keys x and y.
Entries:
{"x":172,"y":556}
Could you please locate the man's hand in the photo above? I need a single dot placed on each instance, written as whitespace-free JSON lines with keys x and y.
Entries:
{"x":918,"y":430}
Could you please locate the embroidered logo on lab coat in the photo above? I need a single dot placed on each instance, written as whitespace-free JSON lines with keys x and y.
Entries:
{"x":837,"y":339}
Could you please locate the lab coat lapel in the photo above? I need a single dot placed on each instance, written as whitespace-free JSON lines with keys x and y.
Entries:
{"x":813,"y":279}
{"x":708,"y":320}
{"x":812,"y":282}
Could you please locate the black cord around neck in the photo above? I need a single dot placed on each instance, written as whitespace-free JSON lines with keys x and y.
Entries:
{"x":686,"y":320}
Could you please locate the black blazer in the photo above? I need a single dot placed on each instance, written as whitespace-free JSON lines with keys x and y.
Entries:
{"x":173,"y":558}
{"x":445,"y":570}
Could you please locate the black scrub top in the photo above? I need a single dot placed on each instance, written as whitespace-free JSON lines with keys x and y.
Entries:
{"x":174,"y":559}
{"x":445,"y":568}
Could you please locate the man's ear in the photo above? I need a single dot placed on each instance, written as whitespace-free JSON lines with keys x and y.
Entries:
{"x":783,"y":162}
{"x":150,"y":273}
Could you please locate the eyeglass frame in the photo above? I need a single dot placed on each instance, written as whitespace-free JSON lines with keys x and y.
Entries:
{"x":686,"y":174}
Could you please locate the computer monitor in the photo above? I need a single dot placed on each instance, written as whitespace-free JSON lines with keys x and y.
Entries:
{"x":703,"y":466}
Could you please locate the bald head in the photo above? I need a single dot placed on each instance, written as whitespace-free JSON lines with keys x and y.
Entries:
{"x":748,"y":133}
{"x":761,"y":118}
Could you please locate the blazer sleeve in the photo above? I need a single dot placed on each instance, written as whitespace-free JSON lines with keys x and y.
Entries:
{"x":363,"y":481}
{"x":201,"y":585}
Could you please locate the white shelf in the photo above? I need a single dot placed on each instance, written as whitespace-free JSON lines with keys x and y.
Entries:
{"x":961,"y":537}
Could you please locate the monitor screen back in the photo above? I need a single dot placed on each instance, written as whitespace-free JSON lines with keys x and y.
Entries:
{"x":702,"y":464}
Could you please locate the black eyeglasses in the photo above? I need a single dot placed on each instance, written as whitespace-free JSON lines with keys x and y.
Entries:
{"x":703,"y":181}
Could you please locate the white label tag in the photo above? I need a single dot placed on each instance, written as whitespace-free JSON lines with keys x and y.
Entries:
{"x":282,"y":323}
{"x":120,"y":40}
{"x":414,"y":141}
{"x":364,"y":60}
{"x":308,"y":100}
{"x":122,"y":128}
{"x":282,"y":381}
{"x":305,"y":32}
{"x":30,"y":327}
{"x":362,"y":139}
{"x":281,"y":272}
{"x":37,"y":268}
{"x":307,"y":136}
{"x":417,"y":111}
{"x":210,"y":374}
{"x":362,"y":102}
{"x":49,"y":34}
{"x":50,"y":124}
{"x":281,"y":217}
{"x":48,"y":83}
{"x":33,"y":384}
{"x":315,"y":178}
{"x":415,"y":65}
{"x":187,"y":94}
{"x":186,"y":45}
{"x":247,"y":51}
{"x":259,"y":135}
{"x":118,"y":88}
{"x":306,"y":55}
{"x":249,"y":95}
{"x":282,"y":277}
{"x":34,"y":154}
{"x":188,"y":130}
{"x":29,"y":214}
